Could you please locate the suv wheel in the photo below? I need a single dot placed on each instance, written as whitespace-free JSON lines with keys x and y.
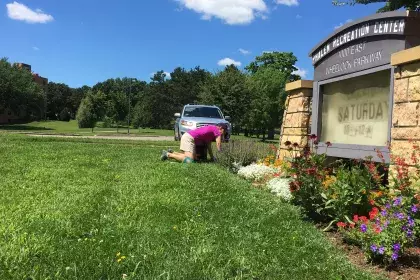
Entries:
{"x":176,"y":136}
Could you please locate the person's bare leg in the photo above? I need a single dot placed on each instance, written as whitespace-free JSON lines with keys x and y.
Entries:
{"x":177,"y":156}
{"x":180,"y":157}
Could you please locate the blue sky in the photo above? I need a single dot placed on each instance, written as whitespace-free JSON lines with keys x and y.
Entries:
{"x":84,"y":42}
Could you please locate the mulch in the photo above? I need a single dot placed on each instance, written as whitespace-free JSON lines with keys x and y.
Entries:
{"x":407,"y":268}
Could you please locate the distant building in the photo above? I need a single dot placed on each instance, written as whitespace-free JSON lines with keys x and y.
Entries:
{"x":8,"y":116}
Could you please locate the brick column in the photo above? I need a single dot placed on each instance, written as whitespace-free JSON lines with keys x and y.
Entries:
{"x":297,"y":115}
{"x":406,"y":108}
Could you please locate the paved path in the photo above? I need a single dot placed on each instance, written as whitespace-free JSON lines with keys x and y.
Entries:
{"x":134,"y":138}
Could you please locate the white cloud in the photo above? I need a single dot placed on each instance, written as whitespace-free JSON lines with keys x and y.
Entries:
{"x":35,"y":48}
{"x":301,"y":72}
{"x":21,"y":12}
{"x":288,"y":2}
{"x":228,"y":61}
{"x":341,"y":24}
{"x":244,"y":52}
{"x":299,"y":16}
{"x":230,"y":11}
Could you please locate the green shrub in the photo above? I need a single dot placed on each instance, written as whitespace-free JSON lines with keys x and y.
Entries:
{"x":65,"y":115}
{"x":385,"y":234}
{"x":347,"y":193}
{"x":238,"y":153}
{"x":309,"y":172}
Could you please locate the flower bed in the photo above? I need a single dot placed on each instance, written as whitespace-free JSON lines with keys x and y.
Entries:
{"x":349,"y":196}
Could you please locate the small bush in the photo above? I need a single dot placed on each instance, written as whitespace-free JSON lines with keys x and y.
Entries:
{"x":65,"y":115}
{"x":240,"y":153}
{"x":385,"y":234}
{"x":347,"y":192}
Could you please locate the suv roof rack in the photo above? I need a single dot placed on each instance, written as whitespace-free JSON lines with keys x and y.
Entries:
{"x":197,"y":104}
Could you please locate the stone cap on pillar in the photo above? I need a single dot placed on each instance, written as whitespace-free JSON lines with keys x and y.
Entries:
{"x":404,"y":57}
{"x":308,"y":84}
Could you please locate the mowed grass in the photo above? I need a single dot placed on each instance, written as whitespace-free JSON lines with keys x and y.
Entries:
{"x":71,"y":127}
{"x":84,"y":209}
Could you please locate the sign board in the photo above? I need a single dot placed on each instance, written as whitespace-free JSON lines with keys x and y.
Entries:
{"x":353,"y":82}
{"x":365,"y":44}
{"x":356,"y":110}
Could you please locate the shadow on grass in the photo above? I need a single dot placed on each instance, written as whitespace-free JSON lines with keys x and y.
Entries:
{"x":22,"y":127}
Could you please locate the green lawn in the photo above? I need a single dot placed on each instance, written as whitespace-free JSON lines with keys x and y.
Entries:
{"x":57,"y":127}
{"x":70,"y":209}
{"x":71,"y":128}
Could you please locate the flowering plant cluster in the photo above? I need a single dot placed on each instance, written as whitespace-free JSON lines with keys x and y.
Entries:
{"x":308,"y":170}
{"x":256,"y":172}
{"x":280,"y":187}
{"x":386,"y":233}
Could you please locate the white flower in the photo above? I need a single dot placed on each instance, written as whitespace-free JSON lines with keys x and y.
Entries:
{"x":280,"y":187}
{"x":256,"y":172}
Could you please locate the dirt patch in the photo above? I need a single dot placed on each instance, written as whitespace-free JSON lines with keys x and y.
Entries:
{"x":408,"y":267}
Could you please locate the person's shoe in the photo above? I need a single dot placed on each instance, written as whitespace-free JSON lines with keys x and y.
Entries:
{"x":170,"y":151}
{"x":164,"y":155}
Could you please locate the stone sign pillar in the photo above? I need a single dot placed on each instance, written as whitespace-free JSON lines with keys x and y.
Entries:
{"x":405,"y":131}
{"x":297,"y":116}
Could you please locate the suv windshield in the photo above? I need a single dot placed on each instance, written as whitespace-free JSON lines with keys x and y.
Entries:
{"x":202,"y":112}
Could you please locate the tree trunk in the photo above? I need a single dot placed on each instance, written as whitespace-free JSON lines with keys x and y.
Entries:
{"x":92,"y":129}
{"x":246,"y":132}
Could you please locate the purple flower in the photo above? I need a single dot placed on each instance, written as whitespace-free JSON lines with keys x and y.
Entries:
{"x":363,"y":228}
{"x":374,"y":248}
{"x":381,"y":250}
{"x":387,"y":206}
{"x":399,"y":216}
{"x":397,"y":201}
{"x":386,"y":223}
{"x":394,"y":256}
{"x":383,"y":213}
{"x":404,"y":228}
{"x":414,"y":209}
{"x":409,"y":233}
{"x":411,"y":222}
{"x":396,"y":247}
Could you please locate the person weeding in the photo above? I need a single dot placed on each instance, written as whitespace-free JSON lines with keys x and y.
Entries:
{"x":190,"y":140}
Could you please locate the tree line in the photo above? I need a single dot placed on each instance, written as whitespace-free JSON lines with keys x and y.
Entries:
{"x":253,"y":98}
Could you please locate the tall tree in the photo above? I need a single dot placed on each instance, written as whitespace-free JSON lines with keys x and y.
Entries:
{"x":19,"y":92}
{"x":91,"y":110}
{"x":227,"y":89}
{"x":390,"y":5}
{"x":58,"y":99}
{"x":269,"y":74}
{"x":76,"y":97}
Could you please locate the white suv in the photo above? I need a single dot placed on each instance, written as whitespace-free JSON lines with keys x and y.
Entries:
{"x":195,"y":116}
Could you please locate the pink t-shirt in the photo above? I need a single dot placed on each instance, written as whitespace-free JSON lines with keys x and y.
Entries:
{"x":205,"y":134}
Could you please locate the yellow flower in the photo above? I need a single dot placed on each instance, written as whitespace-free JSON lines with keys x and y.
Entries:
{"x":118,"y":254}
{"x":328,"y":181}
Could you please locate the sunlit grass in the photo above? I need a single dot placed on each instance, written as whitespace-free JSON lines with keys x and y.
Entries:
{"x":93,"y":209}
{"x":57,"y":127}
